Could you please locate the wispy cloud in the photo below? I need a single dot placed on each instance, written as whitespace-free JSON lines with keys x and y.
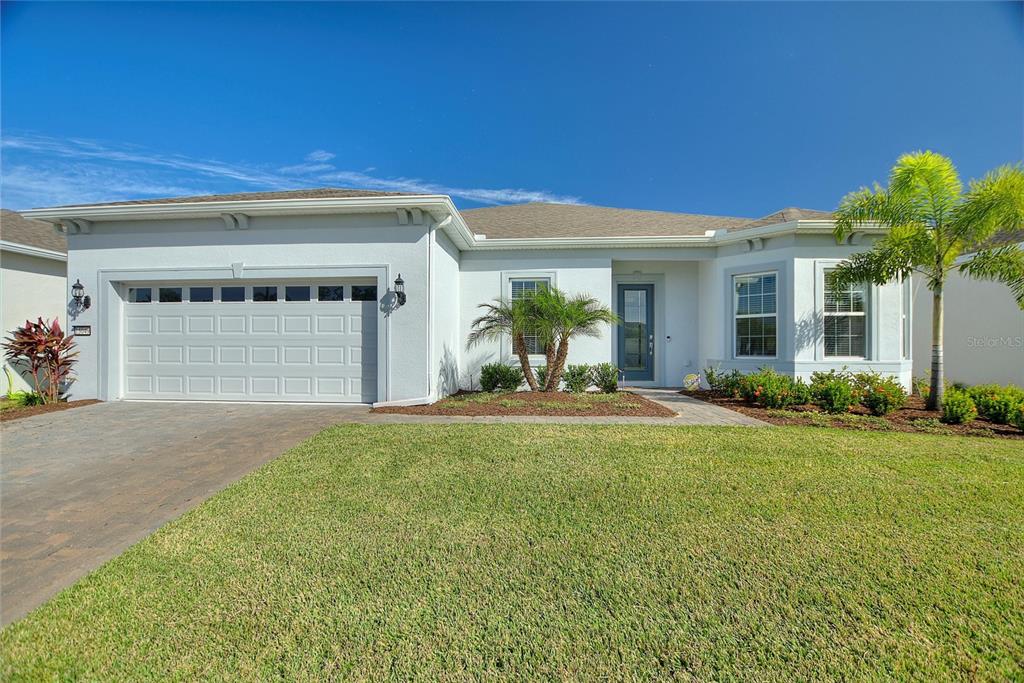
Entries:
{"x":41,"y":170}
{"x":319,"y":155}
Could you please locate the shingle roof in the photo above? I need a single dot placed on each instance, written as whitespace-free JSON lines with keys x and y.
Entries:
{"x":573,"y":220}
{"x":16,"y":228}
{"x":790,"y":213}
{"x":314,"y":193}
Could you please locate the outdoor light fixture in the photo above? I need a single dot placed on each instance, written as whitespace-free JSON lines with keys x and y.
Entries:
{"x":78,"y":294}
{"x":400,"y":290}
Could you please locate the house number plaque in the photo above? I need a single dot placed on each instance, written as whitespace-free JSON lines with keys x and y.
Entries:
{"x":81,"y":330}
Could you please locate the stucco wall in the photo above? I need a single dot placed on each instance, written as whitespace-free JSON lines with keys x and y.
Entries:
{"x":984,"y":332}
{"x":30,"y":287}
{"x":447,"y":296}
{"x":305,"y":242}
{"x":484,"y":278}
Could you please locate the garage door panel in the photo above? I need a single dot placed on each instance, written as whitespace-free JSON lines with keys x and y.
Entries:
{"x":258,"y":351}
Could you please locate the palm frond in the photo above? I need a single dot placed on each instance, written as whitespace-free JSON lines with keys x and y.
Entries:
{"x":901,"y":252}
{"x":992,"y":205}
{"x":871,"y":205}
{"x":1003,"y":264}
{"x":929,"y":182}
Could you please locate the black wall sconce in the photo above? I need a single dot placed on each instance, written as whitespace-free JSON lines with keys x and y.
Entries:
{"x":82,"y":302}
{"x":400,"y":290}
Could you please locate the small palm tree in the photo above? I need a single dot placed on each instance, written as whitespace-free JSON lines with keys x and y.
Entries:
{"x":932,"y":224}
{"x":558,"y":318}
{"x":503,"y":319}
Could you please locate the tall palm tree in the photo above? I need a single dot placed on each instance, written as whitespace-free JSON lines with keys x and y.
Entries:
{"x":932,"y":224}
{"x":503,"y":319}
{"x":558,"y":318}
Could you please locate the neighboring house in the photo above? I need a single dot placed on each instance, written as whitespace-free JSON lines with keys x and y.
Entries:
{"x":290,"y":296}
{"x":984,"y":330}
{"x":33,"y":265}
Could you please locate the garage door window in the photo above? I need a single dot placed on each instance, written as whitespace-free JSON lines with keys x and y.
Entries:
{"x":330,"y":293}
{"x":293,"y":293}
{"x":140,"y":295}
{"x":364,"y":292}
{"x":264,"y":293}
{"x":200,"y":295}
{"x":232,"y":294}
{"x":170,"y":295}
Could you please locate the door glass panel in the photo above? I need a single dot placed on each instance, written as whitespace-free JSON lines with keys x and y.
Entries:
{"x":232,"y":293}
{"x":364,"y":292}
{"x":264,"y":293}
{"x":330,"y":292}
{"x":634,"y":317}
{"x":200,"y":294}
{"x":170,"y":295}
{"x":140,"y":295}
{"x":296,"y":293}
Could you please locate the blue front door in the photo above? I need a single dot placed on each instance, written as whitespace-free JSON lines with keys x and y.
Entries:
{"x":636,"y":334}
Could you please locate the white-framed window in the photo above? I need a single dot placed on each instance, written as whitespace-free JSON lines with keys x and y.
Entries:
{"x":521,"y":287}
{"x":846,"y":319}
{"x":755,"y":313}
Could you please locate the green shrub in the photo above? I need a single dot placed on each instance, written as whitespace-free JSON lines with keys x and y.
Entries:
{"x":834,"y":391}
{"x":958,"y":407}
{"x":576,"y":378}
{"x":605,"y":377}
{"x":541,"y":373}
{"x":997,"y":403}
{"x":1017,"y":420}
{"x":726,"y":383}
{"x":770,"y":389}
{"x":25,"y":398}
{"x":498,"y":376}
{"x":881,"y":395}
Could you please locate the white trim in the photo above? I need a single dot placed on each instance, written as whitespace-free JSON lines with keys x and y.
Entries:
{"x":28,"y":250}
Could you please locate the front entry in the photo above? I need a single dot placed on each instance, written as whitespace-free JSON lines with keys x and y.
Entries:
{"x":636,"y":334}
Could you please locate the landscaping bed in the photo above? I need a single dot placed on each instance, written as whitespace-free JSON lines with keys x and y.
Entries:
{"x":540,"y":403}
{"x":10,"y":411}
{"x":911,"y":418}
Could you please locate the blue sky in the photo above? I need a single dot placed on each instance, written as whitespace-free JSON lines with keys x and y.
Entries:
{"x":733,"y":109}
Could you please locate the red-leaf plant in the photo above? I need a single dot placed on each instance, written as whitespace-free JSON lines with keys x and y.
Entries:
{"x":48,"y":353}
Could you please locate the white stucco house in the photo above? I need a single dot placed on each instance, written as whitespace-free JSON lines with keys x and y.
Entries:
{"x":983,"y":340}
{"x":291,"y":296}
{"x":33,"y":265}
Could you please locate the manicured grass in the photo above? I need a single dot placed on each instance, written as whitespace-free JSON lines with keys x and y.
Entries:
{"x":569,"y":552}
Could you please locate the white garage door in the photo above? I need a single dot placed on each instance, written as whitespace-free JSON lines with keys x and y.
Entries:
{"x":255,"y":341}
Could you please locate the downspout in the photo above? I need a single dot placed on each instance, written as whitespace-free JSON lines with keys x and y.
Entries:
{"x":431,"y":396}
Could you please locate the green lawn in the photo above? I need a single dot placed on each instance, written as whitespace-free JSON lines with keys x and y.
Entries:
{"x":569,"y":552}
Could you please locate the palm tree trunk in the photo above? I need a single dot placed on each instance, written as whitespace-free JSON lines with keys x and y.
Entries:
{"x":519,"y":347}
{"x":555,"y":373}
{"x":938,"y":372}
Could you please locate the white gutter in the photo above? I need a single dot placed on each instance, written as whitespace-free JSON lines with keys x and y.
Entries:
{"x":28,"y":250}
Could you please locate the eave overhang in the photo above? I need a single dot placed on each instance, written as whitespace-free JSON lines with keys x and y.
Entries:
{"x":78,"y":219}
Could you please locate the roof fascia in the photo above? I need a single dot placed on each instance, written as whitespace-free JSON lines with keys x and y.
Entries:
{"x":29,"y":250}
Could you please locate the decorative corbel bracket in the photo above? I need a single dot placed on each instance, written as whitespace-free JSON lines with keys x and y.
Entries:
{"x":74,"y":226}
{"x":235,"y":221}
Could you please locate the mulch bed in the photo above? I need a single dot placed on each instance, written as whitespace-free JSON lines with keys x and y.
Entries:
{"x":28,"y":411}
{"x":552,"y":404}
{"x":911,"y":418}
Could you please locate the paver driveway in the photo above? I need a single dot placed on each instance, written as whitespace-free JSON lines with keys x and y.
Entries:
{"x":78,"y":487}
